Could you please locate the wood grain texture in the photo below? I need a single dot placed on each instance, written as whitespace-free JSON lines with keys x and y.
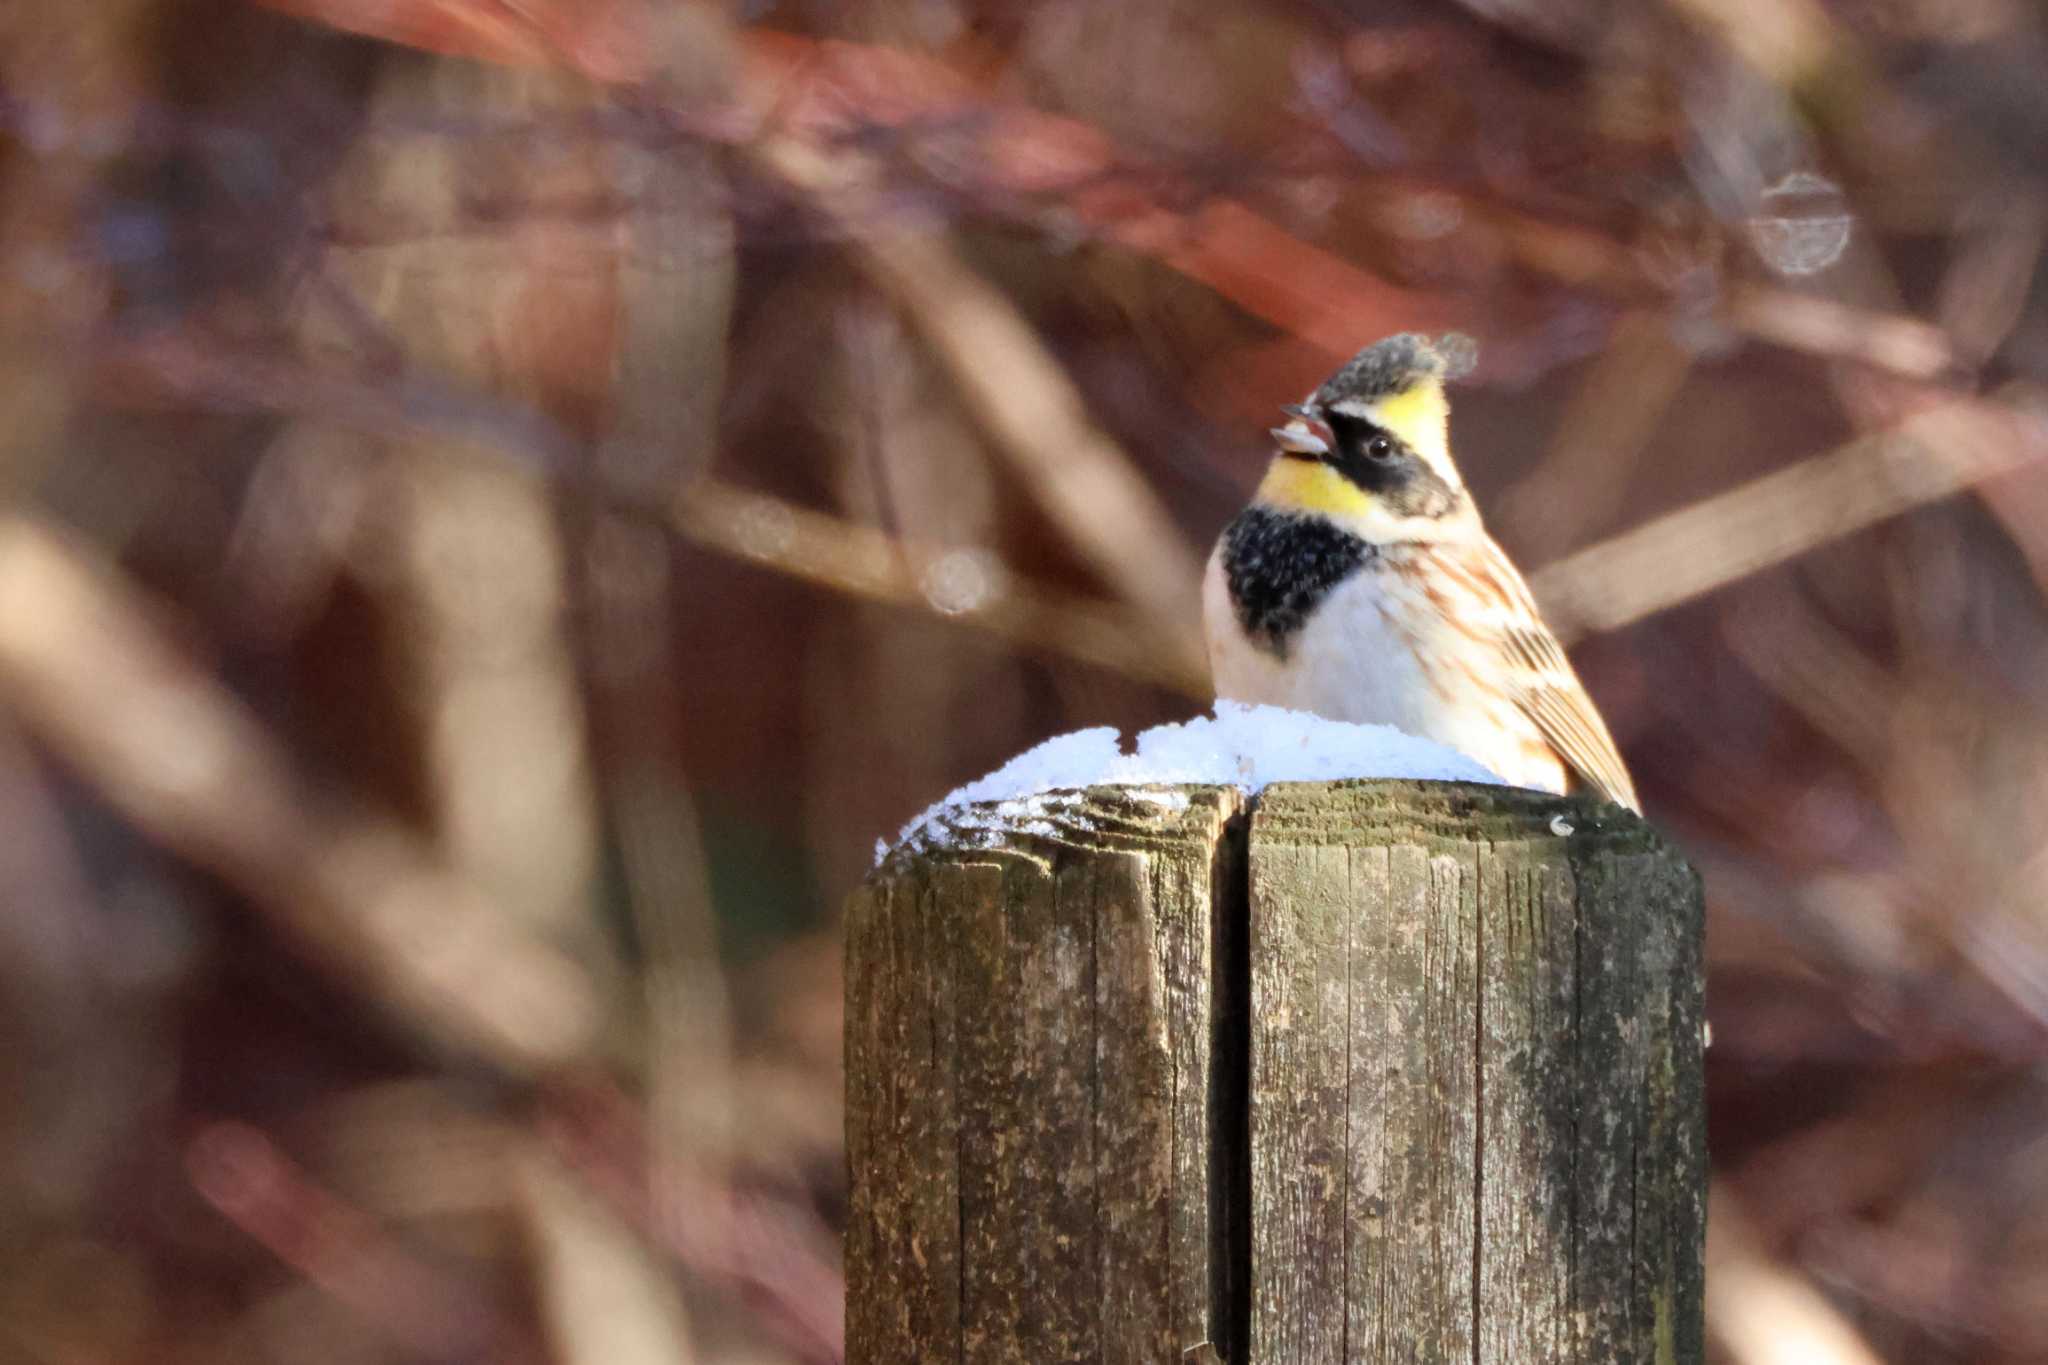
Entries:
{"x":1381,"y":1071}
{"x":1037,"y":1117}
{"x":1513,"y":1065}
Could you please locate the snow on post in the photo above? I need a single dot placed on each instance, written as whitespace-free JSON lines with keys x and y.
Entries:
{"x":1295,"y":1040}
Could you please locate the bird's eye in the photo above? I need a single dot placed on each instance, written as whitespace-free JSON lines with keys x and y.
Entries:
{"x":1379,"y":448}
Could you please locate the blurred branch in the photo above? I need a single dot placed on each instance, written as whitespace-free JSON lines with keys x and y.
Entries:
{"x":2019,"y":501}
{"x":1870,"y":1155}
{"x":91,"y":674}
{"x":1998,"y":248}
{"x":603,"y":1298}
{"x":1036,"y":417}
{"x":476,"y":576}
{"x":305,"y":502}
{"x":1613,"y":416}
{"x":1006,"y":157}
{"x":815,"y":546}
{"x":1789,"y":41}
{"x":1834,"y":685}
{"x":474,"y":569}
{"x":688,"y":1075}
{"x":1765,"y":1313}
{"x":822,"y":91}
{"x":603,"y":39}
{"x":70,"y":1064}
{"x":821,"y":94}
{"x":627,"y":611}
{"x":959,"y":583}
{"x":1691,"y":552}
{"x":262,"y":1191}
{"x":187,"y":367}
{"x":1827,"y":327}
{"x":773,"y":1248}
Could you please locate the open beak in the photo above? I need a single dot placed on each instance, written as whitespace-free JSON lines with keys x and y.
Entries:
{"x":1305,"y":435}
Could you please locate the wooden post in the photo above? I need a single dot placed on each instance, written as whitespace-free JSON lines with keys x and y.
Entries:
{"x":1357,"y":1072}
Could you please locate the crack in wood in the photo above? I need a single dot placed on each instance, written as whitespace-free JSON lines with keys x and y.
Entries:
{"x":1360,"y":1071}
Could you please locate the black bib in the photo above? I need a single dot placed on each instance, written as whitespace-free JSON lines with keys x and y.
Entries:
{"x":1280,"y":566}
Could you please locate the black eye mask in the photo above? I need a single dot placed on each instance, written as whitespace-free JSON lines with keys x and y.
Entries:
{"x":1387,"y":467}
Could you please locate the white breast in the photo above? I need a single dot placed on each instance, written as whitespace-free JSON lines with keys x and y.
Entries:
{"x":1352,"y":662}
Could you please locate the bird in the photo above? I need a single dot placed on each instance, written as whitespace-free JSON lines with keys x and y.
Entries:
{"x":1361,"y":585}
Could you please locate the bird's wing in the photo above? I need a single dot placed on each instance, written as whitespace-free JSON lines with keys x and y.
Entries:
{"x":1549,"y":691}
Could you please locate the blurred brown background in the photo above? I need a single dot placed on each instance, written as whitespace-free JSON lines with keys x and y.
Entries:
{"x":508,"y":502}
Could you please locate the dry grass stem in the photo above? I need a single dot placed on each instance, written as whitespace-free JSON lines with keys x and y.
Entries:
{"x":1691,"y":552}
{"x":866,"y":562}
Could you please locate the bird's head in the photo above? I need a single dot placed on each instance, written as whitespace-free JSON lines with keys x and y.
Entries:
{"x":1370,"y":448}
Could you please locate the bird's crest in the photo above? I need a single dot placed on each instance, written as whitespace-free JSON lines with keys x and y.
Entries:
{"x":1393,"y":366}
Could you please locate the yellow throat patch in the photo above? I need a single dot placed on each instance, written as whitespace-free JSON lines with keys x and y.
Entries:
{"x":1420,"y":418}
{"x":1299,"y":485}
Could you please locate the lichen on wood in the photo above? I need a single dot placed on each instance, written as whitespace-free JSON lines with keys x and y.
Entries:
{"x":1033,"y":1098}
{"x":1359,"y":1072}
